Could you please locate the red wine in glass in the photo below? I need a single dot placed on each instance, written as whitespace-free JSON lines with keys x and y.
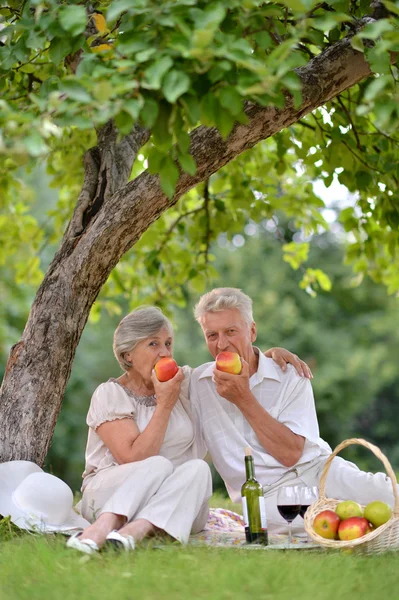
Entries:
{"x":289,"y":511}
{"x":289,"y":505}
{"x":304,"y":508}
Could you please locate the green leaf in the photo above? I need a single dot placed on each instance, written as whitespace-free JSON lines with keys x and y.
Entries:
{"x":323,"y":280}
{"x":175,"y":84}
{"x":192,"y":108}
{"x":378,"y":61}
{"x":363,"y":179}
{"x":149,"y":112}
{"x":357,"y":43}
{"x":391,"y":6}
{"x":124,"y":122}
{"x":225,"y":123}
{"x":376,"y":86}
{"x":155,"y":159}
{"x":295,"y":254}
{"x":73,"y":19}
{"x":35,"y":144}
{"x":329,"y":21}
{"x":161,"y":129}
{"x":133,"y":106}
{"x":183,"y":141}
{"x":263,"y":39}
{"x":188,"y":164}
{"x":155,"y":73}
{"x":169,"y":175}
{"x":75,"y":91}
{"x":374,"y":30}
{"x":59,"y":49}
{"x":117,"y":7}
{"x":209,"y":109}
{"x":231,"y":100}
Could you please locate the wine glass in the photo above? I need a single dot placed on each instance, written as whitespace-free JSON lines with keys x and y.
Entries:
{"x":289,"y":506}
{"x":307,"y":496}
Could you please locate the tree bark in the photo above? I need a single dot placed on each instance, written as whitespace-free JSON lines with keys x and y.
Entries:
{"x":39,"y":364}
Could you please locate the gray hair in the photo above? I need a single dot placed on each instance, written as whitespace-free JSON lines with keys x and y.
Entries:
{"x":141,"y":323}
{"x":224,"y":298}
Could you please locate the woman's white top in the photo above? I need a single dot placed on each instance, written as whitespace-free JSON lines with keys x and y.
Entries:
{"x":112,"y":401}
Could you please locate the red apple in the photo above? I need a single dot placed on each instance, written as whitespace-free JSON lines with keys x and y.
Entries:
{"x":228,"y":362}
{"x":326,"y":524}
{"x":353,"y":528}
{"x":165,"y":369}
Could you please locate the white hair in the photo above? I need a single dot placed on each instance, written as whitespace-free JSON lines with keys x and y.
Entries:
{"x":141,"y":323}
{"x":224,"y":298}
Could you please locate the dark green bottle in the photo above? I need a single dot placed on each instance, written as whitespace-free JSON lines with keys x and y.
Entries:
{"x":253,"y":505}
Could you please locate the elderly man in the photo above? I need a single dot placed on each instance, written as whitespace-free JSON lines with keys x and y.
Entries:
{"x":270,"y":410}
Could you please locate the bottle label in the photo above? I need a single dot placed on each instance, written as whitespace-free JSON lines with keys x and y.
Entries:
{"x":262,"y":509}
{"x":245,"y":511}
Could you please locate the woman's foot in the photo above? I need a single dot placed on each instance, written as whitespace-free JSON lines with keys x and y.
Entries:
{"x":94,"y":536}
{"x":82,"y":544}
{"x":120,"y":542}
{"x":137,"y":530}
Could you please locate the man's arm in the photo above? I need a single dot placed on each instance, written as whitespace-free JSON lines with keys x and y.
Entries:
{"x":275,"y":437}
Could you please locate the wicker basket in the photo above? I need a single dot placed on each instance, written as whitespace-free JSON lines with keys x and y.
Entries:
{"x":381,"y":539}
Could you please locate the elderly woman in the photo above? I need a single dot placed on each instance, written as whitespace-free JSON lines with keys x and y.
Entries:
{"x":142,"y":473}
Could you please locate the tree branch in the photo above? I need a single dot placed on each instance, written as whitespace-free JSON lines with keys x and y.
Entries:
{"x":39,"y":365}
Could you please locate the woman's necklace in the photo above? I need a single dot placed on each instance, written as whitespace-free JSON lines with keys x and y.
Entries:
{"x":146,"y":399}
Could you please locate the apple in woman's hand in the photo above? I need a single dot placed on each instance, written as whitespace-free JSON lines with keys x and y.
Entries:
{"x":228,"y":362}
{"x":165,"y":369}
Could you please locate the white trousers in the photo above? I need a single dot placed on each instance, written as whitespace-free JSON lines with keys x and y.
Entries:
{"x":345,"y":481}
{"x":173,"y":499}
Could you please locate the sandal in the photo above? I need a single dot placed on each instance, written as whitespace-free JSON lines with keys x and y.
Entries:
{"x":85,"y":545}
{"x":119,"y":541}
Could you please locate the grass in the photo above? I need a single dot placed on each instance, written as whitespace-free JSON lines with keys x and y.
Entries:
{"x":41,"y":567}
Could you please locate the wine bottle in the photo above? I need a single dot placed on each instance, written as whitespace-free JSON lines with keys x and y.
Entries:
{"x":253,"y":505}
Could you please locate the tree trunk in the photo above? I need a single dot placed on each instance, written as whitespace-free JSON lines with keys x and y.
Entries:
{"x":107,"y":224}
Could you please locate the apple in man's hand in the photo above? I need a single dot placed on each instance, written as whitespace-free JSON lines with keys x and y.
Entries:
{"x":165,"y":369}
{"x":353,"y":528}
{"x":326,"y":524}
{"x":228,"y":362}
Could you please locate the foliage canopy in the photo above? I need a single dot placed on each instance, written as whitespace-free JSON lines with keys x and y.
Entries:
{"x":67,"y":68}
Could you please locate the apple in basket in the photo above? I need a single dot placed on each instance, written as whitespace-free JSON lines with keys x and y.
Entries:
{"x":353,"y":528}
{"x":377,"y":513}
{"x":348,"y":508}
{"x":326,"y":524}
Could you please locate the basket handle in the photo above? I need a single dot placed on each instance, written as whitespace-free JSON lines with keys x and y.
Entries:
{"x":377,"y":452}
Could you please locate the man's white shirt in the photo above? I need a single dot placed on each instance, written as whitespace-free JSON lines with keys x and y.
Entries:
{"x":225,"y":432}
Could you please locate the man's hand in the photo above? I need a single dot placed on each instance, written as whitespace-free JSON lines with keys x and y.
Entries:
{"x":282,"y":356}
{"x":234,"y":388}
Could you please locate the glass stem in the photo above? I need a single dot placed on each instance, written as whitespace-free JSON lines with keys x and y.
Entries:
{"x":289,"y":534}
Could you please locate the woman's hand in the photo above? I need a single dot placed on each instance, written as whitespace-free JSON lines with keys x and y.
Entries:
{"x":167,"y":392}
{"x":282,"y":356}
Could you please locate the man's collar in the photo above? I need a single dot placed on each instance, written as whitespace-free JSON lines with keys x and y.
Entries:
{"x":266,"y":369}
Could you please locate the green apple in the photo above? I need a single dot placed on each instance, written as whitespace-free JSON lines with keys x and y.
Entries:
{"x":377,"y":513}
{"x":348,"y":509}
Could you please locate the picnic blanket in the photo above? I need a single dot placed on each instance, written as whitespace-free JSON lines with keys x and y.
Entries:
{"x":225,"y":528}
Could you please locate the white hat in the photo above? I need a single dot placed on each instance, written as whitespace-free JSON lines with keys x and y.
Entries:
{"x":36,"y":500}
